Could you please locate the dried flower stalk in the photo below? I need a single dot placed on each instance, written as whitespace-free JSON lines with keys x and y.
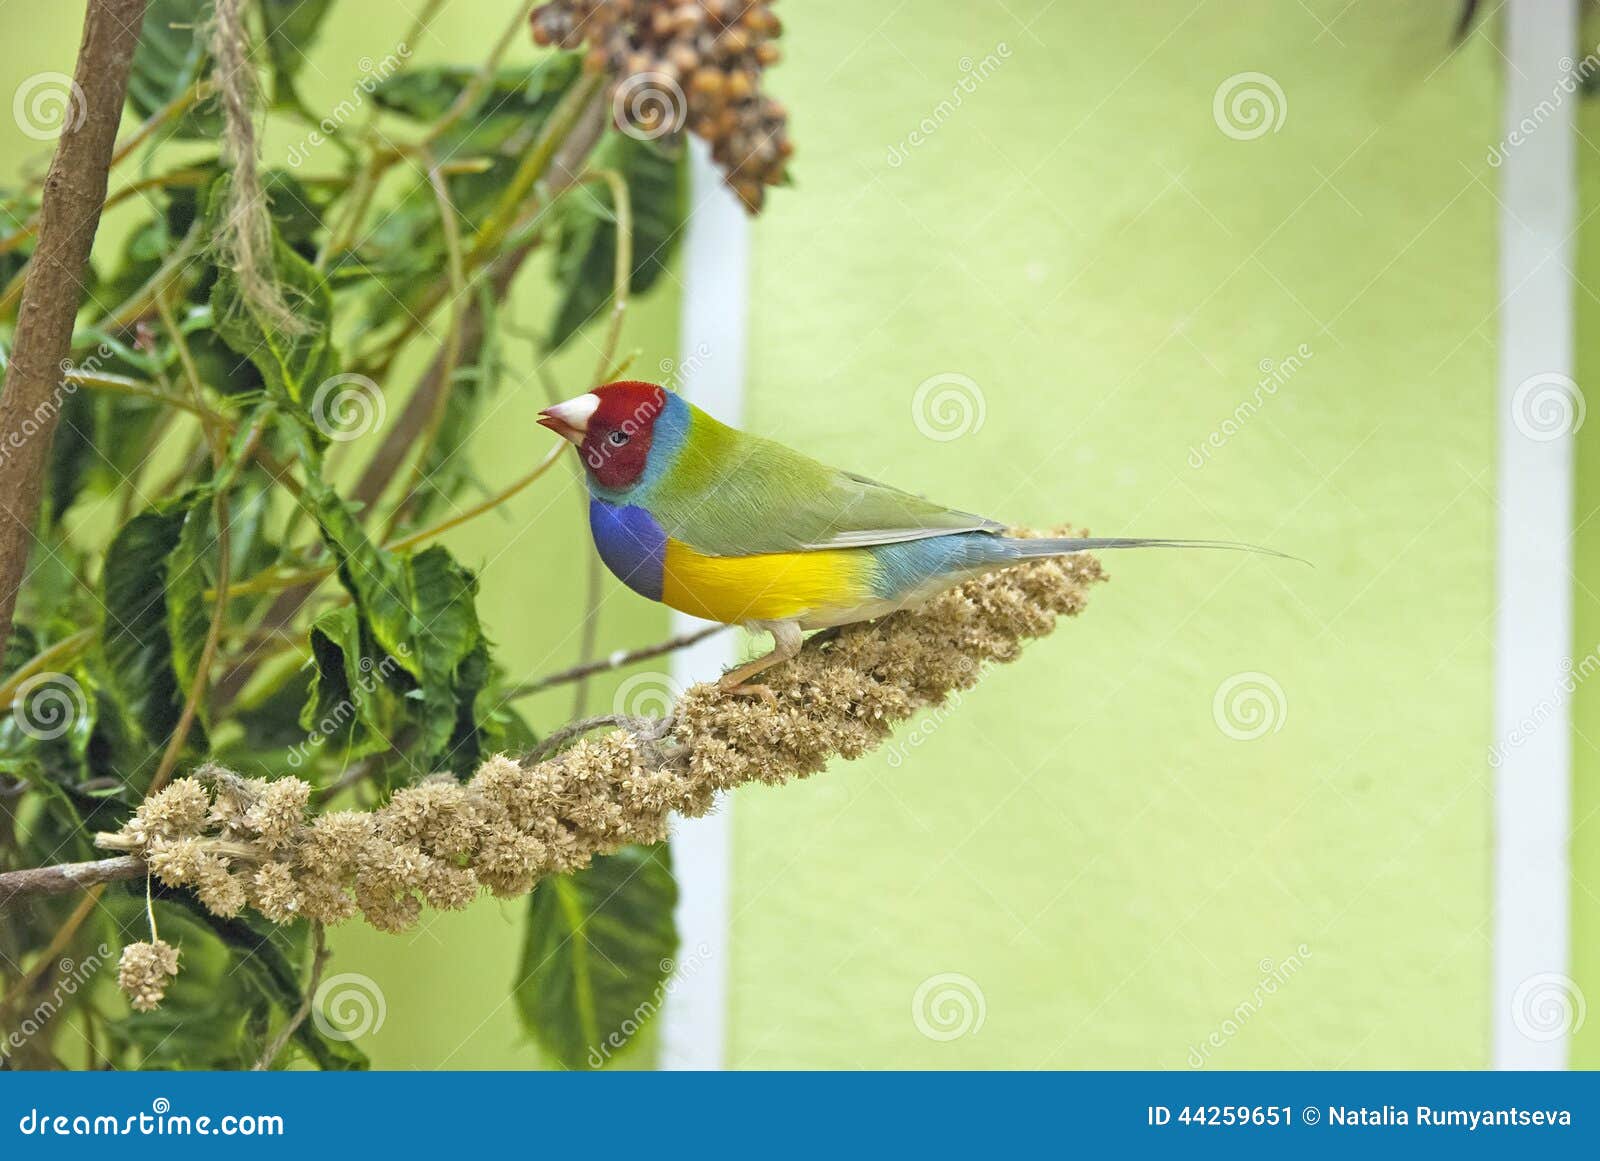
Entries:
{"x":239,"y":842}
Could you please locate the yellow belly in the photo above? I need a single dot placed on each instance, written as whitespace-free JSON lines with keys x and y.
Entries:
{"x":779,"y":586}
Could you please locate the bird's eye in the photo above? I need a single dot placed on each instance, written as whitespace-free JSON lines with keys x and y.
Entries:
{"x":617,"y":438}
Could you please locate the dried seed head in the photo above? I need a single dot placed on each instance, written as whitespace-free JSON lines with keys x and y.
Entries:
{"x":143,"y":972}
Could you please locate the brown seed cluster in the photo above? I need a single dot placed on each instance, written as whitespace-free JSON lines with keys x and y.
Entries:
{"x":694,"y":63}
{"x":240,"y":842}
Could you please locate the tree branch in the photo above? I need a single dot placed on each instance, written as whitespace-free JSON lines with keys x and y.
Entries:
{"x":69,"y":216}
{"x":65,"y":877}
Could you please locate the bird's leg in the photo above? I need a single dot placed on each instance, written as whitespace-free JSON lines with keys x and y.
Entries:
{"x":786,"y":642}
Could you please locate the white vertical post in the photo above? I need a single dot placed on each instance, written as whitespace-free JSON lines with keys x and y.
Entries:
{"x":716,"y":275}
{"x":1533,"y":628}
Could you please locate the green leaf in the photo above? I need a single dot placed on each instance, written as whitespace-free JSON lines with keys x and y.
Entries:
{"x":72,"y":454}
{"x":407,"y":248}
{"x":420,"y":610}
{"x":348,"y":703}
{"x":293,"y":366}
{"x":586,"y":252}
{"x":149,"y":590}
{"x":514,"y":103}
{"x":188,"y":617}
{"x":292,"y":27}
{"x":171,"y":56}
{"x":597,"y":953}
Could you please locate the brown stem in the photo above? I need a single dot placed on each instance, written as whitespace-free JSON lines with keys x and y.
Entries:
{"x":69,"y":215}
{"x":65,"y":877}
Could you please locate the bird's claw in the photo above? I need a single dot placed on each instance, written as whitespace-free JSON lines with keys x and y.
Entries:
{"x":751,"y":689}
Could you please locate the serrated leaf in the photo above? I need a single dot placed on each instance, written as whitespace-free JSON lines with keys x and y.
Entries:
{"x":137,"y":639}
{"x":346,"y":703}
{"x":419,"y":609}
{"x":188,"y":615}
{"x":586,"y":253}
{"x":596,"y":954}
{"x":170,"y":57}
{"x":292,"y":366}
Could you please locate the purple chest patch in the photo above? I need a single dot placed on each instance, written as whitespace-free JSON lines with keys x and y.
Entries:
{"x":631,"y":543}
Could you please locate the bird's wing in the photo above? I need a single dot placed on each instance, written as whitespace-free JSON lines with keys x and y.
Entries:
{"x":737,"y":495}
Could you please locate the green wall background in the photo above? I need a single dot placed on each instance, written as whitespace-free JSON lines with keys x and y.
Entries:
{"x":1081,"y":240}
{"x":1078,"y":837}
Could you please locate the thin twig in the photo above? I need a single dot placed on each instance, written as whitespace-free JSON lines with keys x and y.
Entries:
{"x":319,"y":959}
{"x":616,"y":660}
{"x":271,"y":582}
{"x":219,"y":610}
{"x":58,"y":944}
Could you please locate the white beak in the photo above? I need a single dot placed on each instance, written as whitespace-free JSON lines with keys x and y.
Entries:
{"x":570,"y":420}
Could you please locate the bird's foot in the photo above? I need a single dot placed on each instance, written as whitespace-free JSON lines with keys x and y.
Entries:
{"x":749,"y":689}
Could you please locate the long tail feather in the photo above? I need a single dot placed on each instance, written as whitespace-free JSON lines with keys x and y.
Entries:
{"x":1066,"y":545}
